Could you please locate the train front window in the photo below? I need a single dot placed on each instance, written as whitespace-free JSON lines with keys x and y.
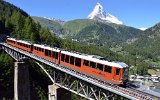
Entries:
{"x":100,"y":67}
{"x":117,"y":71}
{"x":108,"y":69}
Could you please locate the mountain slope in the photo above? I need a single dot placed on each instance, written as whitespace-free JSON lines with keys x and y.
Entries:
{"x":17,"y":23}
{"x":46,"y":23}
{"x":99,"y":14}
{"x":148,"y":43}
{"x":55,"y":26}
{"x":95,"y":32}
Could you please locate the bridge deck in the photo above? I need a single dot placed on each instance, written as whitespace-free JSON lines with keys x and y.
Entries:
{"x":127,"y":93}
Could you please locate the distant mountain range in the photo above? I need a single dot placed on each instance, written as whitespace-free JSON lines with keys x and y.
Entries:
{"x":100,"y":28}
{"x":90,"y":31}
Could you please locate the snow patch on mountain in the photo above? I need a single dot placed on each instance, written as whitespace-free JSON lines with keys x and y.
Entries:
{"x":99,"y":14}
{"x":50,"y":18}
{"x":143,"y":28}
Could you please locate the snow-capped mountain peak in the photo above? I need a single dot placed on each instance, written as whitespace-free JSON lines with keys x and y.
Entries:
{"x":99,"y":14}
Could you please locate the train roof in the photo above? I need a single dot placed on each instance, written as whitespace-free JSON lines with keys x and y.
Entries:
{"x":13,"y":39}
{"x":38,"y":45}
{"x":25,"y":42}
{"x":47,"y":47}
{"x":96,"y":59}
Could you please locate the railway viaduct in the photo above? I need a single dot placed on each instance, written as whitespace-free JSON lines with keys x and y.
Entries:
{"x":65,"y":81}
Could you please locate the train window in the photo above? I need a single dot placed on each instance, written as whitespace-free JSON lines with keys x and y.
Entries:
{"x":108,"y":69}
{"x":78,"y":62}
{"x":117,"y":71}
{"x":49,"y":53}
{"x":72,"y":60}
{"x":39,"y":49}
{"x":42,"y":50}
{"x":56,"y":55}
{"x":86,"y":63}
{"x":92,"y":64}
{"x":62,"y":57}
{"x":67,"y":59}
{"x":46,"y":52}
{"x":100,"y":66}
{"x":53,"y":54}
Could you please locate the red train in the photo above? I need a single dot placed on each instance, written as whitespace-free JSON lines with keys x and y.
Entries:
{"x":114,"y":72}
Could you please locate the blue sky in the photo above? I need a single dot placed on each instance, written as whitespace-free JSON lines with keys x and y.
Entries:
{"x":135,"y":13}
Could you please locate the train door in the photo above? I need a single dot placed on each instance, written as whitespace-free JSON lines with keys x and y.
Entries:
{"x":117,"y":74}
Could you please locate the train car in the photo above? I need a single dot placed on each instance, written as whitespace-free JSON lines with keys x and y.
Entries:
{"x":25,"y":45}
{"x":38,"y":50}
{"x":52,"y":54}
{"x":96,"y":66}
{"x":115,"y":72}
{"x":11,"y":41}
{"x":47,"y":52}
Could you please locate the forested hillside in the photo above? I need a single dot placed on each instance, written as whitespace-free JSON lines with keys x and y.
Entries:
{"x":15,"y":22}
{"x":147,"y":45}
{"x":55,"y":26}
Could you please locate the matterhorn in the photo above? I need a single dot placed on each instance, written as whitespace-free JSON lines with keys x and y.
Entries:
{"x":99,"y":14}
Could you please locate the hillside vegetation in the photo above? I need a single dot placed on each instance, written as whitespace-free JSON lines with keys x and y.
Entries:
{"x":147,"y":45}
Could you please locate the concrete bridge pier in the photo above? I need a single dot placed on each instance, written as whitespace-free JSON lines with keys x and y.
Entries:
{"x":57,"y":93}
{"x":21,"y":81}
